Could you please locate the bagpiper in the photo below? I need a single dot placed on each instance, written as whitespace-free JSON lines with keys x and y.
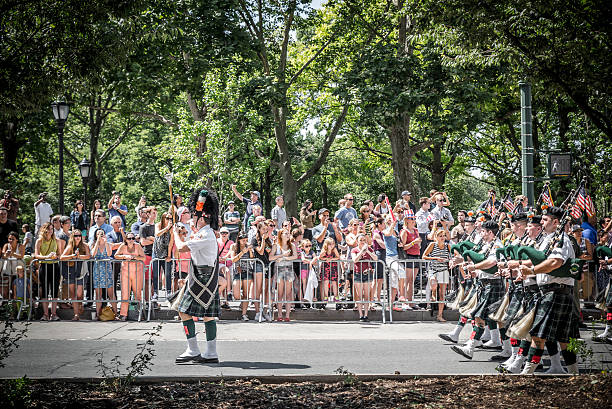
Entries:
{"x":200,"y":294}
{"x":484,"y":267}
{"x":554,"y":319}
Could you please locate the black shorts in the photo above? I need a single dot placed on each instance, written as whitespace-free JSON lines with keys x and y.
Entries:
{"x":49,"y":278}
{"x":408,"y":264}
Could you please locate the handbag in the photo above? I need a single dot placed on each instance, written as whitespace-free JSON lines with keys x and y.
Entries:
{"x":107,"y":314}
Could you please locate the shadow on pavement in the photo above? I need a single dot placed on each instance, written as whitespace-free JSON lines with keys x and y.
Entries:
{"x":259,"y":365}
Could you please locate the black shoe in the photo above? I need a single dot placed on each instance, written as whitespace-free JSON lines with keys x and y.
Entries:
{"x":460,"y":352}
{"x":338,"y":307}
{"x":447,"y":338}
{"x":366,"y":319}
{"x":361,"y":319}
{"x":498,"y":358}
{"x":499,"y":348}
{"x":185,"y":359}
{"x":201,"y":360}
{"x":226,"y":306}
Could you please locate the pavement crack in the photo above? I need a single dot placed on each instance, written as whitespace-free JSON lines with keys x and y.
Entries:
{"x":110,"y":332}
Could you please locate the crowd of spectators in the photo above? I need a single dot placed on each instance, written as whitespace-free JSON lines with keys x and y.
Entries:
{"x":319,"y":258}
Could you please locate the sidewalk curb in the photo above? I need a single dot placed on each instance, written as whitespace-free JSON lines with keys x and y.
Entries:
{"x":273,"y":379}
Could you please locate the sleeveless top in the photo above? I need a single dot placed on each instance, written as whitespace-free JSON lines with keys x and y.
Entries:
{"x":415,"y":250}
{"x":47,"y":247}
{"x":438,"y":266}
{"x":160,"y":245}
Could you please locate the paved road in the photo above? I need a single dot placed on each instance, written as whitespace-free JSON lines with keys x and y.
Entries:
{"x":68,"y":349}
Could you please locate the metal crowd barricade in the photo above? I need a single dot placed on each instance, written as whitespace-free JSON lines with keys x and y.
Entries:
{"x":9,"y":283}
{"x":250,"y":273}
{"x":49,"y":283}
{"x":329,"y":275}
{"x":417,"y":272}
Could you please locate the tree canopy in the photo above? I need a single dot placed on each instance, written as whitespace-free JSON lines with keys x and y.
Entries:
{"x":367,"y":97}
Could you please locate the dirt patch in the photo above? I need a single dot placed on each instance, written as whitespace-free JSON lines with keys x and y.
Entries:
{"x":461,"y":392}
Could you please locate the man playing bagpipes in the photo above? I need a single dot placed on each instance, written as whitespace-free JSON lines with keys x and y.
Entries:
{"x":483,"y":265}
{"x":504,"y":311}
{"x":523,"y":300}
{"x":554,"y":318}
{"x":199,"y":297}
{"x":471,"y":239}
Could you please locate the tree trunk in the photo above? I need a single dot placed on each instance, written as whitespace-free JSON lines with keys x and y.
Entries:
{"x":324,"y":194}
{"x":402,"y":155}
{"x":438,"y":175}
{"x":10,"y":146}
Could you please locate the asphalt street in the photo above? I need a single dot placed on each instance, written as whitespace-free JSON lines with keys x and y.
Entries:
{"x":69,"y":349}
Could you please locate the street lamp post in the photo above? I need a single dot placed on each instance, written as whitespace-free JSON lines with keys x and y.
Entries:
{"x":60,"y":113}
{"x":85,"y":169}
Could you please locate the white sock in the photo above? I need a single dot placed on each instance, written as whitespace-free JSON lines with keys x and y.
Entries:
{"x":192,"y":347}
{"x":211,"y":349}
{"x":555,"y":361}
{"x":486,"y":334}
{"x":457,"y":331}
{"x":495,"y":337}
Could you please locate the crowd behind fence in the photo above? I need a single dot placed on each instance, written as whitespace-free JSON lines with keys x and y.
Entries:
{"x":125,"y":287}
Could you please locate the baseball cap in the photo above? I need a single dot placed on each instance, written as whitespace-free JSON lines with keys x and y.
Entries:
{"x":230,"y":202}
{"x":223,"y":230}
{"x":323,"y":210}
{"x":577,"y":227}
{"x":255,"y":192}
{"x":406,"y":192}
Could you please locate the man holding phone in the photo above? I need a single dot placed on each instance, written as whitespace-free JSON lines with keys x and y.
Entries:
{"x":115,"y":208}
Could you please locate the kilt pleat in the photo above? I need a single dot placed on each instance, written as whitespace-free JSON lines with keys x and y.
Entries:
{"x":489,"y":294}
{"x":554,"y":319}
{"x":516,"y":300}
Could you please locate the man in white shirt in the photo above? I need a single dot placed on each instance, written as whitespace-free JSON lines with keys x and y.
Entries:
{"x":43,"y":211}
{"x":201,"y":294}
{"x":554,"y":319}
{"x":491,"y":292}
{"x":278,"y":213}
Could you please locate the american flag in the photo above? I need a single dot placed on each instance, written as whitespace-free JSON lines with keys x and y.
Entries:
{"x":576,"y":212}
{"x":547,"y":198}
{"x":509,"y":204}
{"x":430,"y":217}
{"x":584,"y":201}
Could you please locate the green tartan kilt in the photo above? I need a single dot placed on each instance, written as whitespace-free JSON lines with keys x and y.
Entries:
{"x":190,"y":306}
{"x":609,"y":296}
{"x":491,"y":293}
{"x":516,"y":300}
{"x":530,"y":300}
{"x":554,"y":319}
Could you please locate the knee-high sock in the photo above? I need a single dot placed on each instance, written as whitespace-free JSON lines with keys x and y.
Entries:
{"x":192,"y":339}
{"x":535,"y":355}
{"x":569,"y":357}
{"x":477,"y":333}
{"x":524,"y":348}
{"x":492,"y":324}
{"x":211,"y":339}
{"x":552,"y":348}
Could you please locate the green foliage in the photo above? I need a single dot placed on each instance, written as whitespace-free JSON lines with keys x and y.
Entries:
{"x":118,"y":380}
{"x":349,"y":377}
{"x":9,"y":334}
{"x":16,"y":393}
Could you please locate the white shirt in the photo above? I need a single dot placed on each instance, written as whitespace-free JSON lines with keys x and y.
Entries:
{"x":563,"y":253}
{"x":496,"y":244}
{"x":442,"y":213}
{"x":43,"y":214}
{"x":203,"y":246}
{"x":421,"y":221}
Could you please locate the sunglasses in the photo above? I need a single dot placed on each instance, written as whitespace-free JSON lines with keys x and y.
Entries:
{"x":224,"y":233}
{"x":78,"y":235}
{"x":129,"y":238}
{"x":168,"y":218}
{"x":307,"y":247}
